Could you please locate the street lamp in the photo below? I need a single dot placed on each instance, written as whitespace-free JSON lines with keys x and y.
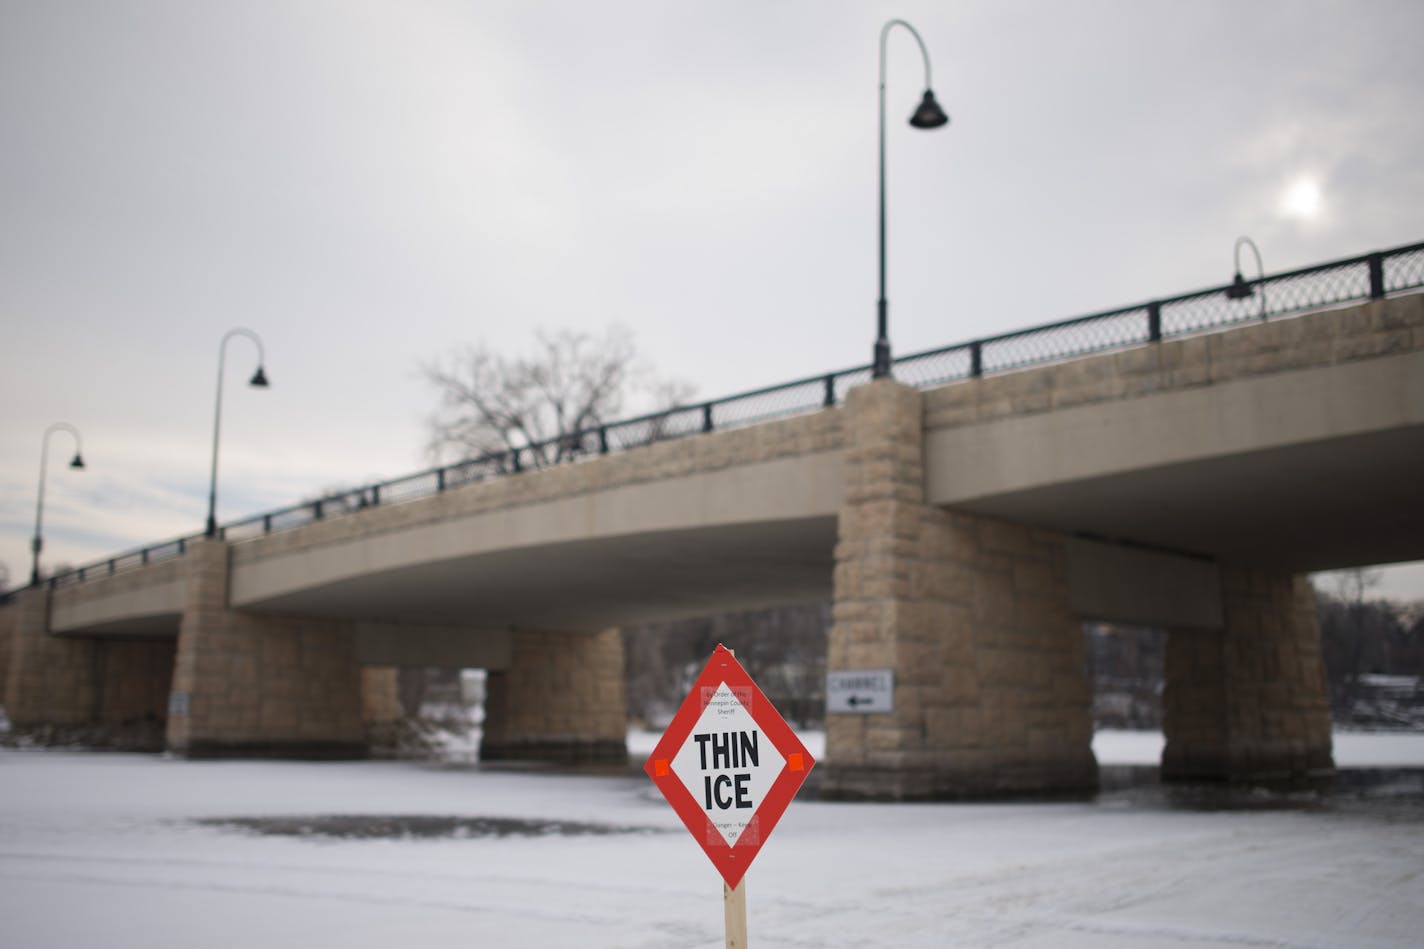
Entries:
{"x":76,"y":462}
{"x":1240,"y":289}
{"x":927,"y":116}
{"x":259,"y":381}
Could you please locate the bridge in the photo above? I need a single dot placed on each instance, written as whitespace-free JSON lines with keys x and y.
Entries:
{"x":1179,"y":464}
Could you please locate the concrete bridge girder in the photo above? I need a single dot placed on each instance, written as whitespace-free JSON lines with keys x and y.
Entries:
{"x":146,"y":604}
{"x":737,"y":537}
{"x":430,"y":645}
{"x":1119,"y":584}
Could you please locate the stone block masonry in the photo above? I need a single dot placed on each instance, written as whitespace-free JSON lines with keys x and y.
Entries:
{"x":1248,"y":702}
{"x":562,"y":699}
{"x":260,"y":685}
{"x":9,"y":613}
{"x":50,"y":680}
{"x":103,"y":692}
{"x":991,"y":689}
{"x":380,"y":695}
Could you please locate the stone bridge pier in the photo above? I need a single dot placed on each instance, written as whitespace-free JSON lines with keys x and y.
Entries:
{"x":976,"y":618}
{"x":248,"y":684}
{"x":562,"y":698}
{"x":107,"y":691}
{"x":1249,"y":701}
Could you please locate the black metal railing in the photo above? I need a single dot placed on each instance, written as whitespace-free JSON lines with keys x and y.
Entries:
{"x":1370,"y":276}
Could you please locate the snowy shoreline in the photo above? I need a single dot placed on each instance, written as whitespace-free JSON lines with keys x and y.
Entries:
{"x":1353,"y":749}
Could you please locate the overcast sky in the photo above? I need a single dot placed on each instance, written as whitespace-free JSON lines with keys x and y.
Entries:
{"x":369,"y":185}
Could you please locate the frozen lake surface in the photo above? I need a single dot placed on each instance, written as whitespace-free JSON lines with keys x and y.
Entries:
{"x":108,"y":850}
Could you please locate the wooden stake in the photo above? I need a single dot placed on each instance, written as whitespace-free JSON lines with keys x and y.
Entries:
{"x":734,"y":904}
{"x":734,"y":912}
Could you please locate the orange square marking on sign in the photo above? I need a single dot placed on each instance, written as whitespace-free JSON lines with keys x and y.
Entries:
{"x":796,"y":763}
{"x":660,"y":767}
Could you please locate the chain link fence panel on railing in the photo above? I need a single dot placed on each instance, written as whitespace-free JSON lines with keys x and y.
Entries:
{"x":1080,"y":337}
{"x":254,"y":527}
{"x":848,"y":379}
{"x":808,"y":395}
{"x":289,"y":518}
{"x":1404,"y":270}
{"x":477,"y":469}
{"x":925,"y":370}
{"x":129,"y":561}
{"x":1211,"y":310}
{"x":674,"y":423}
{"x":1321,"y":287}
{"x":406,"y":489}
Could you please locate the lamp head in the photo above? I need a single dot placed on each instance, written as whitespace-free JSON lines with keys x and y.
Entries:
{"x":1239,"y":289}
{"x":77,"y":462}
{"x":929,"y":115}
{"x":259,"y":379}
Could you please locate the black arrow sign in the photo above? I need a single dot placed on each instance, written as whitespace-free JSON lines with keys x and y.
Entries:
{"x":855,"y":700}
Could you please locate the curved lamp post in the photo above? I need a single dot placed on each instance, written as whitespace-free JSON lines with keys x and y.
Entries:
{"x":927,"y":116}
{"x":1240,"y":289}
{"x":258,"y":380}
{"x":76,"y":462}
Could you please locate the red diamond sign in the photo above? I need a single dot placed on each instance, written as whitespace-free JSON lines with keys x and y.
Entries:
{"x":729,"y":765}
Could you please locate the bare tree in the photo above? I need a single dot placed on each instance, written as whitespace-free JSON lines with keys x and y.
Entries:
{"x":1357,"y":633}
{"x":1352,"y":585}
{"x":547,"y":405}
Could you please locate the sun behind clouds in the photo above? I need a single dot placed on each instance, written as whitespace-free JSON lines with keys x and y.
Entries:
{"x":1301,"y":198}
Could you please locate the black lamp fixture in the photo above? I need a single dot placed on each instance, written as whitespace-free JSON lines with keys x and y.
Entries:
{"x":258,"y":381}
{"x":77,"y":462}
{"x":928,"y":115}
{"x":1240,"y":289}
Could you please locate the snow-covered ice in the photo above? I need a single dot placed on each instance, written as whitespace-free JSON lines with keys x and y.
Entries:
{"x":102,"y":850}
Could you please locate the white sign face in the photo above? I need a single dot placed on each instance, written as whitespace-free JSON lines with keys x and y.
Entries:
{"x":860,"y":691}
{"x":727,"y":764}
